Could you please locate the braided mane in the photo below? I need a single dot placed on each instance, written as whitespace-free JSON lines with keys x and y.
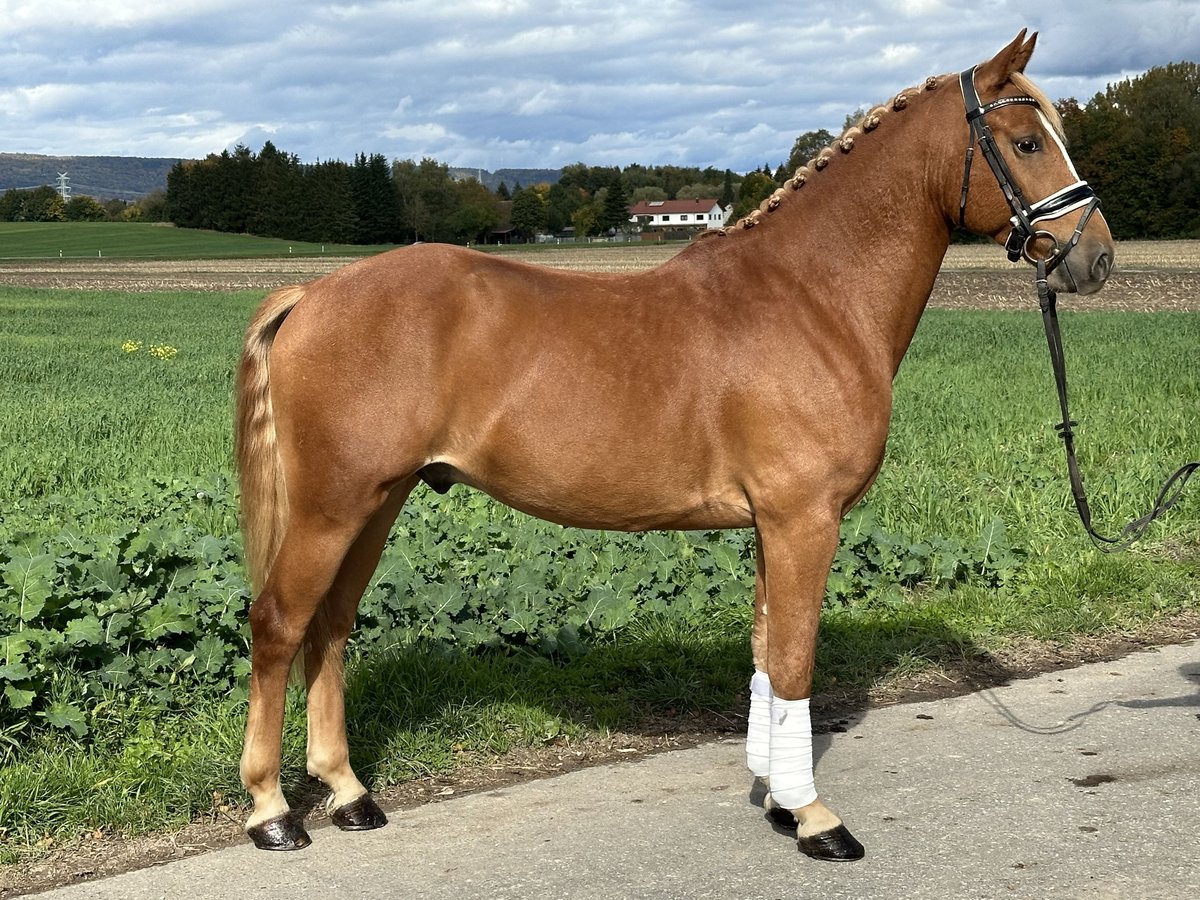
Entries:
{"x":844,"y":144}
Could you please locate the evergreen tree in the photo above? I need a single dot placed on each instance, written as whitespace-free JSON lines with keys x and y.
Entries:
{"x":376,"y":203}
{"x":330,"y":215}
{"x":10,"y":205}
{"x":727,"y":191}
{"x":241,"y":182}
{"x":615,"y":214}
{"x":276,"y":210}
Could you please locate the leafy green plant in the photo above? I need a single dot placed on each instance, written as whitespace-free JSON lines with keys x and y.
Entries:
{"x":156,"y":608}
{"x":874,"y":565}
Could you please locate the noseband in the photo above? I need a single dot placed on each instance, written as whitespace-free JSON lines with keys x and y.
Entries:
{"x":1026,"y":216}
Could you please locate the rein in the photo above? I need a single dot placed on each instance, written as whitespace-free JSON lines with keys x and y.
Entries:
{"x":1024,"y":221}
{"x":1171,"y":489}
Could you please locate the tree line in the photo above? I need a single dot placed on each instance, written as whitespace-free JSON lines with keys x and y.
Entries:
{"x":273,"y":194}
{"x":45,"y":204}
{"x":1137,"y":142}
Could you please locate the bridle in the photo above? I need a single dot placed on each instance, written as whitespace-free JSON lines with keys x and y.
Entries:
{"x":1019,"y":244}
{"x":1026,"y":216}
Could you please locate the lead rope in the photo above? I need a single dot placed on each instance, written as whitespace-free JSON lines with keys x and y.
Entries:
{"x":1174,"y":485}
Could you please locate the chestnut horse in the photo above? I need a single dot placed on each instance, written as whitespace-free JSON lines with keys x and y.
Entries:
{"x":746,"y":383}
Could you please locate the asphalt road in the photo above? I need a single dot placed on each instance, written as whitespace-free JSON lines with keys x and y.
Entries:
{"x":1082,"y":784}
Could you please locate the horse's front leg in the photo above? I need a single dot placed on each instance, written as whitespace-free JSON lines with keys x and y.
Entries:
{"x":794,"y":556}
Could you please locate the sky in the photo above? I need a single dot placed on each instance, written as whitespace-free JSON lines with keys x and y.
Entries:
{"x":509,"y":83}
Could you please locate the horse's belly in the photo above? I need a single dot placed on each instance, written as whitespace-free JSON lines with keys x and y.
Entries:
{"x":613,"y":497}
{"x":591,"y":512}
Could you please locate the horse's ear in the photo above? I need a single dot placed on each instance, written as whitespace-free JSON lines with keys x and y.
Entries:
{"x":994,"y":74}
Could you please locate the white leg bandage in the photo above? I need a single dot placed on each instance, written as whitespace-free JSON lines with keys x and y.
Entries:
{"x":758,"y":729}
{"x":791,"y":768}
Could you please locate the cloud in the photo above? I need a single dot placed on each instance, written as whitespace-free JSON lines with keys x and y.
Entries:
{"x":500,"y":84}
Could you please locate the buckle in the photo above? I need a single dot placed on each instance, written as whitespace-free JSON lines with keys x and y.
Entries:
{"x":1015,"y":245}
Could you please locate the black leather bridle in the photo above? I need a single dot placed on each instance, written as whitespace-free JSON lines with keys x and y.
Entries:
{"x":1026,"y":216}
{"x":1025,"y":219}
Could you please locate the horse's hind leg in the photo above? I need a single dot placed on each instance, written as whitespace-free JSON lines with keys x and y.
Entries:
{"x":324,"y":649}
{"x":317,"y":541}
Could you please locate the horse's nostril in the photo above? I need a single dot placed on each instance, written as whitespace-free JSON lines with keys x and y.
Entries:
{"x":1102,"y":266}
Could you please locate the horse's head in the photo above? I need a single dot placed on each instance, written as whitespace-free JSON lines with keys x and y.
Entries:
{"x":1028,"y":195}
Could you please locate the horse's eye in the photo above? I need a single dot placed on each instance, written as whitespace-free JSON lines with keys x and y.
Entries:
{"x":1028,"y":146}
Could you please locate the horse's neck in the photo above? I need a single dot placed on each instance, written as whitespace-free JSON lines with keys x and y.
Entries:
{"x":864,"y":237}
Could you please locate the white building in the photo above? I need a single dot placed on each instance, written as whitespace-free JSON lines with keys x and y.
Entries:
{"x":679,"y":214}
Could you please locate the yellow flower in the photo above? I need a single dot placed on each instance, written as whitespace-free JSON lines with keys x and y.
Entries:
{"x":163,"y":351}
{"x":131,"y":346}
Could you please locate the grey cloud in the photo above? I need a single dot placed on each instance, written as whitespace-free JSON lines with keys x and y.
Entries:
{"x":522,"y":84}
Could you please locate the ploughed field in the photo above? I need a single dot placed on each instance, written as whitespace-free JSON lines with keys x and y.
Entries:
{"x":1150,"y":276}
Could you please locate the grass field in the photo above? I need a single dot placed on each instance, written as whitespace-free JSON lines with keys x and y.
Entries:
{"x":97,"y":443}
{"x":136,"y":240}
{"x":974,"y":400}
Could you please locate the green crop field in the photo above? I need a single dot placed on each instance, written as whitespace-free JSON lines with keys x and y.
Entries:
{"x":135,"y":240}
{"x":122,"y":599}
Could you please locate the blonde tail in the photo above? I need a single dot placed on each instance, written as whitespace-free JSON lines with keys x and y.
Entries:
{"x":264,"y":499}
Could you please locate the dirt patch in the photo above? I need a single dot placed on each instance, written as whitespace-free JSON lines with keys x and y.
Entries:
{"x":1149,"y":276}
{"x":103,"y":855}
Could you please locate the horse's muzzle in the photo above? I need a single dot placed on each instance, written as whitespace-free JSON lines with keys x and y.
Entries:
{"x":1085,"y":269}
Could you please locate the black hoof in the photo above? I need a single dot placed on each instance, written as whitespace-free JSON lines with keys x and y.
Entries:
{"x":362,"y":814}
{"x":281,"y":833}
{"x":836,"y":844}
{"x":782,"y":818}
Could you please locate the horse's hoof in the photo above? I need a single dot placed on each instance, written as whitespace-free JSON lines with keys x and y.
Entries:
{"x":362,"y":814}
{"x":281,"y":833}
{"x":781,"y":817}
{"x":836,"y":844}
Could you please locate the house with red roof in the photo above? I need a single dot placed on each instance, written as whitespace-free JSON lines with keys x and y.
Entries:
{"x":679,"y":215}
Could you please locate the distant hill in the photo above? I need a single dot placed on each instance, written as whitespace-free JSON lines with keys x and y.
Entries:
{"x":132,"y":177}
{"x":510,"y":177}
{"x":102,"y":177}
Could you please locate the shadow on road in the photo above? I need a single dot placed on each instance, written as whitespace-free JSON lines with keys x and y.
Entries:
{"x":422,"y":710}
